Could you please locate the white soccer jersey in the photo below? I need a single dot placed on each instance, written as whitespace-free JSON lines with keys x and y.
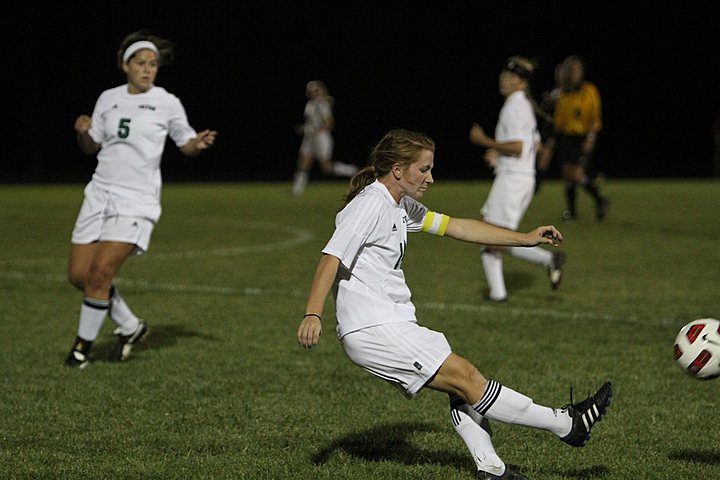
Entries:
{"x":132,"y":130}
{"x":370,"y":239}
{"x":317,"y":113}
{"x":517,"y":123}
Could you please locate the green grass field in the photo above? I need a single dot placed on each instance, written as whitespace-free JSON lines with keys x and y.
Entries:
{"x":220,"y":389}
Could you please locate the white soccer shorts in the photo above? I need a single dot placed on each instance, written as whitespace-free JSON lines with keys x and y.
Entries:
{"x":403,"y":353}
{"x":98,"y":221}
{"x":319,"y":145}
{"x":508,"y":200}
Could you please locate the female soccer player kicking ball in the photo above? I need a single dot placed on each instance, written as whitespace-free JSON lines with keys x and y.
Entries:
{"x":376,"y":320}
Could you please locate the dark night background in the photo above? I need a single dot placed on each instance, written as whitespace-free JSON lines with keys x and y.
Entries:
{"x":241,"y":68}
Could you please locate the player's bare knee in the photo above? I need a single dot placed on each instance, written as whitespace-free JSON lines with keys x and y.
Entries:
{"x":76,"y":278}
{"x":99,"y":278}
{"x":471,"y":382}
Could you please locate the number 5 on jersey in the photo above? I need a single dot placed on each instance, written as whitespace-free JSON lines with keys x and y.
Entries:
{"x":123,"y":128}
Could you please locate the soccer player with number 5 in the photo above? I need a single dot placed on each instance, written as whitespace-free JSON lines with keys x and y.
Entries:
{"x":376,"y":323}
{"x":127,"y":131}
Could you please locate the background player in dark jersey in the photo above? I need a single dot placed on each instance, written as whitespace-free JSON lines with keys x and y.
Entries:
{"x":577,"y":122}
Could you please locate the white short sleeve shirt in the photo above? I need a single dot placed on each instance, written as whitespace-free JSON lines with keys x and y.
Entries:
{"x":317,"y":112}
{"x":370,"y":240}
{"x":132,"y":131}
{"x":517,"y":123}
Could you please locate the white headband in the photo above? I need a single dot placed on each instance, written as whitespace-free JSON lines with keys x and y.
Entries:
{"x":143,"y":44}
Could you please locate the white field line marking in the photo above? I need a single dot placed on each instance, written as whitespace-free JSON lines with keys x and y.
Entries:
{"x":519,"y":311}
{"x":154,"y":286}
{"x":544,"y":312}
{"x":297,"y":293}
{"x":298,"y":237}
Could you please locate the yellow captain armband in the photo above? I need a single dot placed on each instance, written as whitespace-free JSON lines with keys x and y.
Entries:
{"x":435,"y":223}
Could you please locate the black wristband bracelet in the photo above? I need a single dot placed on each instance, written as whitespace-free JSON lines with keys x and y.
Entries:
{"x":313,"y":315}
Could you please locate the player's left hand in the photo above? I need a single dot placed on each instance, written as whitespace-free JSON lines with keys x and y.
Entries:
{"x":205,"y":139}
{"x":546,"y":234}
{"x":478,"y":136}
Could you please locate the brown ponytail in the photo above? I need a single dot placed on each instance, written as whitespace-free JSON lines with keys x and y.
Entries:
{"x":360,"y":180}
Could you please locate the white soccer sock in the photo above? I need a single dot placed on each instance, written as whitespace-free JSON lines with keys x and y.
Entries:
{"x":92,"y":316}
{"x":506,"y":405}
{"x":467,"y":424}
{"x":301,"y":179}
{"x":344,"y":169}
{"x":493,"y":267}
{"x":536,"y":255}
{"x":121,"y":314}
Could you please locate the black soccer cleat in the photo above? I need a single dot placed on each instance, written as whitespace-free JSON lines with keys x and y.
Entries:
{"x":586,"y":413}
{"x":77,"y":359}
{"x":79,"y":356}
{"x":511,"y":473}
{"x":555,"y":270}
{"x":125,"y":343}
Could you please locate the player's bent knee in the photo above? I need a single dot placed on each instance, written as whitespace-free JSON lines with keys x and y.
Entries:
{"x":462,"y":378}
{"x":76,"y":282}
{"x":77,"y":278}
{"x":99,"y":277}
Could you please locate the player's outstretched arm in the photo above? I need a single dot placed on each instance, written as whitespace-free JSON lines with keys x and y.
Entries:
{"x":310,"y":328}
{"x":477,"y":231}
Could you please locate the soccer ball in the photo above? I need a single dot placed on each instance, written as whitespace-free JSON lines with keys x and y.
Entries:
{"x":697,"y":348}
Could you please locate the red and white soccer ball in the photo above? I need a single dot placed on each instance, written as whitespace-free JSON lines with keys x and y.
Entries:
{"x":697,"y":348}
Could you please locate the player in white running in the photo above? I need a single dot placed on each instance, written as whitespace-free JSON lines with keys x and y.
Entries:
{"x":317,"y":140}
{"x":512,"y":154}
{"x":127,"y":131}
{"x":376,"y":321}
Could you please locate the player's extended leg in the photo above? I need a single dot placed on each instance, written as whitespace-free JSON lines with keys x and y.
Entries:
{"x":324,"y":148}
{"x":340,"y":169}
{"x":93,"y":267}
{"x":552,"y":261}
{"x":497,"y":402}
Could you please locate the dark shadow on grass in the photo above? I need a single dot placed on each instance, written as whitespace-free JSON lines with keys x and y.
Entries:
{"x":520,"y":280}
{"x":710,"y":457}
{"x":158,"y":337}
{"x":164,"y":336}
{"x":390,"y":442}
{"x":587,"y":473}
{"x":596,"y":471}
{"x":516,"y":282}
